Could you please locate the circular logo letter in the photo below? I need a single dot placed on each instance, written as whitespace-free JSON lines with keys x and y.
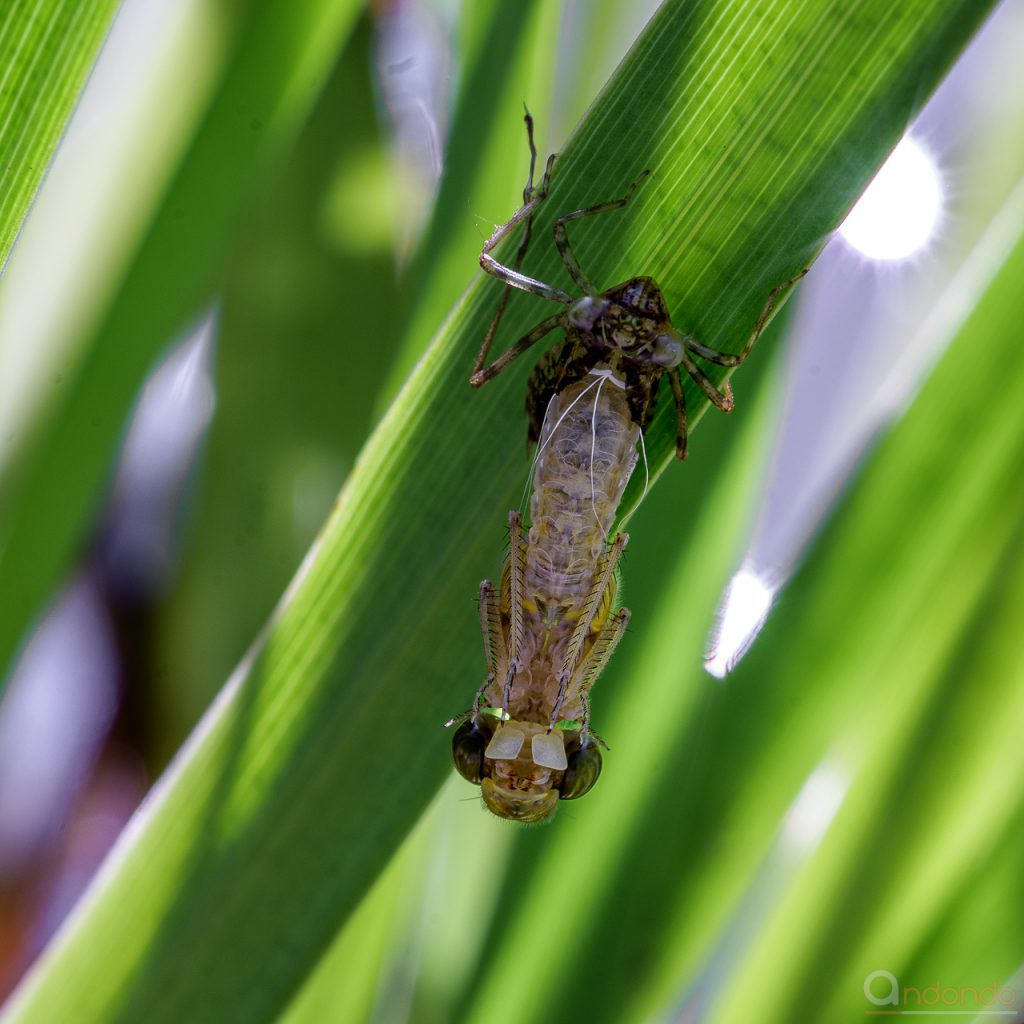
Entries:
{"x":891,"y":997}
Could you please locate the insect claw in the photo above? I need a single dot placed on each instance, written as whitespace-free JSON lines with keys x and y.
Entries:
{"x":458,"y":719}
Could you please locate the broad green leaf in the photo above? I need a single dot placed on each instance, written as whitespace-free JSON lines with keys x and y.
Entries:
{"x":47,"y":48}
{"x":760,"y":125}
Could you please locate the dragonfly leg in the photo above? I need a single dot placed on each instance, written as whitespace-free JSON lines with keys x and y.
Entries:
{"x":721,"y":399}
{"x":516,"y":576}
{"x":482,"y":374}
{"x":585,"y":726}
{"x":712,"y":355}
{"x":478,"y":700}
{"x":586,"y":733}
{"x":594,"y":663}
{"x":511,"y":275}
{"x":599,"y":593}
{"x":676,"y":383}
{"x":490,"y":625}
{"x":603,"y":649}
{"x":532,"y":197}
{"x":562,"y":234}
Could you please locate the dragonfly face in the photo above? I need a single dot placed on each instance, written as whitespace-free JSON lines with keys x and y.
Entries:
{"x":523,"y":769}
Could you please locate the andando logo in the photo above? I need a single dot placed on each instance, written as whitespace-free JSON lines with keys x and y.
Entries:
{"x":889,"y":997}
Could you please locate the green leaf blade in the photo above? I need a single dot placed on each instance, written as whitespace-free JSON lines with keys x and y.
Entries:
{"x":326,"y":747}
{"x":48,"y":48}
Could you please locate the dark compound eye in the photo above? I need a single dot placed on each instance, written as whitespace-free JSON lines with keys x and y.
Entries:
{"x":468,"y":751}
{"x":582,"y":772}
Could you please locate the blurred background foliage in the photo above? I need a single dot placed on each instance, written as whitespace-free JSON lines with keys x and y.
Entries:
{"x":848,"y":802}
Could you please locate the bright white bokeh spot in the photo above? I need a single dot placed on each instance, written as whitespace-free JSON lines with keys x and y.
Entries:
{"x":899,"y":210}
{"x":817,"y":803}
{"x":741,"y":614}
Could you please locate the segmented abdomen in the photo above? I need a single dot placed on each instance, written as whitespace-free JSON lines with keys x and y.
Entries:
{"x":586,"y":453}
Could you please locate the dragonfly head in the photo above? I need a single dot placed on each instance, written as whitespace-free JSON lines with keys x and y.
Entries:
{"x":524,"y":769}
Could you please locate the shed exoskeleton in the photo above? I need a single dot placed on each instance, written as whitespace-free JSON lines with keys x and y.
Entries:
{"x":627,"y":326}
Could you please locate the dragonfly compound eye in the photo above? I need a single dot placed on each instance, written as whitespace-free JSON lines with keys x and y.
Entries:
{"x":582,"y":772}
{"x":468,"y":751}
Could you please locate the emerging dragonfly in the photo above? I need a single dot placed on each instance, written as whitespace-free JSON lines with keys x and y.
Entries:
{"x":552,"y":627}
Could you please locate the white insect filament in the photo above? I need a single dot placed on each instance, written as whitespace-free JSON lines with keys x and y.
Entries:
{"x":540,"y":448}
{"x":593,"y":449}
{"x":602,"y":375}
{"x":643,"y":494}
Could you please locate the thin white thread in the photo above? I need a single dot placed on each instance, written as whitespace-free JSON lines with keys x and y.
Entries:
{"x":647,"y":472}
{"x":528,"y":486}
{"x":551,"y":434}
{"x":593,"y":448}
{"x":647,"y":479}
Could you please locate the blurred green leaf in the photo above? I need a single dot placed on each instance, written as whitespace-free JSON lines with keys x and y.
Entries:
{"x":279,"y":58}
{"x":761,"y":126}
{"x":289,"y":335}
{"x":48,"y":49}
{"x":929,"y":545}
